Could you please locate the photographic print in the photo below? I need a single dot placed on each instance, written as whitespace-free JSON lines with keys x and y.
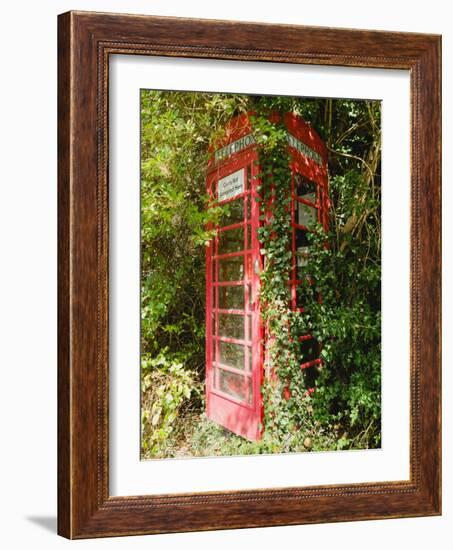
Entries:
{"x":260,"y":274}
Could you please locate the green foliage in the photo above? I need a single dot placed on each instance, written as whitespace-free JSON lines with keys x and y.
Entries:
{"x":167,"y":389}
{"x":175,"y":133}
{"x":344,"y":265}
{"x":282,"y":425}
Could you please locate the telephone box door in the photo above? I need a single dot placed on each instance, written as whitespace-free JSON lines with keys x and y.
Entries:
{"x":233,"y":327}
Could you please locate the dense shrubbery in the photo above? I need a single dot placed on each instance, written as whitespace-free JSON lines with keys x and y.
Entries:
{"x":344,"y":409}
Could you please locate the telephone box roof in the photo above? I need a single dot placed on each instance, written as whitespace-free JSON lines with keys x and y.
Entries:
{"x":239,"y":136}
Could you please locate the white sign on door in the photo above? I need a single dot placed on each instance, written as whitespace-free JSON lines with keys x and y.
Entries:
{"x":230,"y":186}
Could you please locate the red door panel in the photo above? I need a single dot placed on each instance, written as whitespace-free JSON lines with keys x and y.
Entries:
{"x":233,"y":332}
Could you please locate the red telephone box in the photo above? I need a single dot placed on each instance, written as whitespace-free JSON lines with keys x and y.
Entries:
{"x":234,"y":332}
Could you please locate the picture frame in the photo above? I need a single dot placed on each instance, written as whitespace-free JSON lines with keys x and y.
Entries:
{"x":85,"y":42}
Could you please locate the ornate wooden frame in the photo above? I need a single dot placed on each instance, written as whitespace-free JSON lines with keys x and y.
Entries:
{"x":85,"y":41}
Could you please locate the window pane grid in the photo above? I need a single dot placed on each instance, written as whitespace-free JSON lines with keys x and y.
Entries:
{"x":232,"y":295}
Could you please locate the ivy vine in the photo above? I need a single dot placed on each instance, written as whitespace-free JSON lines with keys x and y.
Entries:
{"x":284,"y":389}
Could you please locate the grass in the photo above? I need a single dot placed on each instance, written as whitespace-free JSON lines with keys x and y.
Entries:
{"x":197,"y":436}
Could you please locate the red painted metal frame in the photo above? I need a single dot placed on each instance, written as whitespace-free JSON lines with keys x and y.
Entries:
{"x":245,"y":416}
{"x":318,"y":174}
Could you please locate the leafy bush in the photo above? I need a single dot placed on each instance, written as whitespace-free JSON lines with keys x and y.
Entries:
{"x":167,"y":390}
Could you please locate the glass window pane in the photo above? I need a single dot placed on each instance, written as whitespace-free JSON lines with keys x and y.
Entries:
{"x":231,"y":297}
{"x":306,"y":215}
{"x":309,"y":350}
{"x":231,"y":325}
{"x":303,"y":186}
{"x":231,"y":240}
{"x":301,"y":257}
{"x":232,"y":355}
{"x":301,"y":238}
{"x":232,"y":212}
{"x":232,"y":384}
{"x":250,"y":328}
{"x":231,"y":269}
